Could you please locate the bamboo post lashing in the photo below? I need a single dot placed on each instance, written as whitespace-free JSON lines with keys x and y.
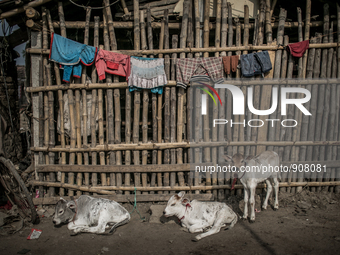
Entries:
{"x":228,"y":105}
{"x":305,"y":119}
{"x":290,"y":112}
{"x":297,"y":114}
{"x":197,"y":27}
{"x":70,"y":102}
{"x":323,"y":105}
{"x":307,"y":32}
{"x":333,"y":132}
{"x":136,"y":107}
{"x":117,"y":108}
{"x":49,"y":124}
{"x":61,"y":108}
{"x":127,"y":181}
{"x":94,"y":108}
{"x":167,"y":179}
{"x":245,"y":43}
{"x":221,"y":109}
{"x":145,"y":104}
{"x":215,"y":107}
{"x":269,"y":33}
{"x":326,"y":110}
{"x":197,"y":93}
{"x":180,"y":92}
{"x":283,"y":74}
{"x":260,"y":100}
{"x":160,"y":177}
{"x":84,"y":97}
{"x":167,"y":127}
{"x":280,"y":70}
{"x":109,"y":113}
{"x":337,"y":189}
{"x":314,"y":98}
{"x":153,"y":101}
{"x":206,"y":129}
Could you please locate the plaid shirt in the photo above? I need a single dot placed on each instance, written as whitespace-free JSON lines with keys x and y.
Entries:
{"x":199,"y":69}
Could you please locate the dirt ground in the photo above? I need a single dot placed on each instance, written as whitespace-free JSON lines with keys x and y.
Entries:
{"x":305,"y":223}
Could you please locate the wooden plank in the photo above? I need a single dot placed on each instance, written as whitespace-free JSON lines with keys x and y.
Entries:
{"x":108,"y":189}
{"x":125,"y":198}
{"x":196,"y":50}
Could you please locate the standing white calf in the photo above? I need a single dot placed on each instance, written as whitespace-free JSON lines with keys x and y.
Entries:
{"x":197,"y":216}
{"x":268,"y":160}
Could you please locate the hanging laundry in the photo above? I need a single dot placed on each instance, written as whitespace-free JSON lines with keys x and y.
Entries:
{"x":234,"y":63}
{"x":255,"y":63}
{"x":298,"y":49}
{"x":226,"y":64}
{"x":147,"y":73}
{"x":113,"y":63}
{"x":70,"y":55}
{"x":230,"y":63}
{"x":199,"y":70}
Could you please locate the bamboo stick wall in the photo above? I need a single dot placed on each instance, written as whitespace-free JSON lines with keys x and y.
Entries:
{"x":138,"y":139}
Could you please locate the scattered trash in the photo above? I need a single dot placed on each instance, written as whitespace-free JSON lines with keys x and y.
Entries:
{"x":23,"y":251}
{"x":37,"y":193}
{"x":257,"y":210}
{"x":171,"y":241}
{"x":104,"y":249}
{"x":35,"y":234}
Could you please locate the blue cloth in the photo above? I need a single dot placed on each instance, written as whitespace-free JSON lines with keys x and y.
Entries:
{"x":157,"y":90}
{"x":70,"y":55}
{"x":255,"y":63}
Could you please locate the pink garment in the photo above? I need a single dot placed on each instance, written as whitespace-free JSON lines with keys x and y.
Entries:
{"x":113,"y":63}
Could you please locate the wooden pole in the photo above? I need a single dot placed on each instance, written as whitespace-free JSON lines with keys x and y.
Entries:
{"x":109,"y":42}
{"x":84,"y":97}
{"x":337,"y":189}
{"x":323,"y":99}
{"x":61,"y":176}
{"x":269,"y":33}
{"x":307,"y":31}
{"x":94,"y":108}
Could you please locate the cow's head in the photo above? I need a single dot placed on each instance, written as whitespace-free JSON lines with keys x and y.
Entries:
{"x":237,"y":160}
{"x":64,"y":211}
{"x":176,"y":205}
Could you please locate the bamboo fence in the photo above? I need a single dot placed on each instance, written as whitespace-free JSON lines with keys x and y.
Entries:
{"x":127,"y":140}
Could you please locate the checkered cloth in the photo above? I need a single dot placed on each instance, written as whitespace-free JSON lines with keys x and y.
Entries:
{"x":199,"y":70}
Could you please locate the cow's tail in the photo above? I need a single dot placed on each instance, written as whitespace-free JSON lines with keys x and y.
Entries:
{"x":119,"y":224}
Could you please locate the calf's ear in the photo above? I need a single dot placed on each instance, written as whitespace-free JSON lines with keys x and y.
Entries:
{"x":71,"y":205}
{"x":227,"y":158}
{"x":181,"y":194}
{"x":62,"y":199}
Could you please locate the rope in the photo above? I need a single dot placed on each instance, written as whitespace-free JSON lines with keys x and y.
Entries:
{"x":135,"y":206}
{"x":93,"y":8}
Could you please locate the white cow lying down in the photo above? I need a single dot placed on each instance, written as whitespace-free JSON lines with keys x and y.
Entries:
{"x":197,"y":216}
{"x":88,"y":214}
